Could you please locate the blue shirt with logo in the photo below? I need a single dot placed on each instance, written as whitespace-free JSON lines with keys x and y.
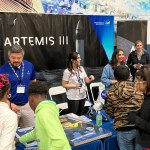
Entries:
{"x":28,"y":74}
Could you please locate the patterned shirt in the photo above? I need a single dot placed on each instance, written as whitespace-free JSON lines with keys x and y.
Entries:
{"x":121,"y":99}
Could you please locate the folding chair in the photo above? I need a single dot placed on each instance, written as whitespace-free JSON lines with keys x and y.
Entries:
{"x":100,"y":86}
{"x":101,"y":90}
{"x":56,"y":91}
{"x":61,"y":90}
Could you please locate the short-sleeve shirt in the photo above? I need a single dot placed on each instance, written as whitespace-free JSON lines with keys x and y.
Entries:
{"x":73,"y":78}
{"x":28,"y":74}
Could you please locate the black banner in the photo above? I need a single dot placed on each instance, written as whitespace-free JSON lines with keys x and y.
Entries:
{"x":48,"y":39}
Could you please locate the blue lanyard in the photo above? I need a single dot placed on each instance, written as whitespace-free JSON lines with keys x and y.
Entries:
{"x":22,"y":74}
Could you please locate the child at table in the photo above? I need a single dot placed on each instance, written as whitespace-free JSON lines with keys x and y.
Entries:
{"x":121,"y":99}
{"x":48,"y":130}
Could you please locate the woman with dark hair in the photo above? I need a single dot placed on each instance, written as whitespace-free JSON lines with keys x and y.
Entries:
{"x":8,"y":119}
{"x":137,"y":58}
{"x":107,"y":77}
{"x":74,"y":80}
{"x":141,"y":118}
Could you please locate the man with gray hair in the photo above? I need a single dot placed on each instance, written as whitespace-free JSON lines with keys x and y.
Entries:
{"x":20,"y":72}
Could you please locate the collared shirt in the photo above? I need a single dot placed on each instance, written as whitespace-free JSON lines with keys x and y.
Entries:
{"x":8,"y":126}
{"x":28,"y":74}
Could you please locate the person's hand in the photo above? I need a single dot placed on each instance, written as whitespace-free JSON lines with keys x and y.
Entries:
{"x":113,"y":81}
{"x":135,"y":66}
{"x":78,"y":86}
{"x":16,"y":141}
{"x":132,"y":116}
{"x":91,"y":77}
{"x":14,"y":107}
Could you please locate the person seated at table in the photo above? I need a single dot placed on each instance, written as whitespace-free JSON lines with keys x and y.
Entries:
{"x":121,"y":99}
{"x":141,"y":118}
{"x":8,"y":118}
{"x":48,"y":130}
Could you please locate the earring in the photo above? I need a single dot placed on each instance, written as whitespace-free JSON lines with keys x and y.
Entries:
{"x":9,"y":96}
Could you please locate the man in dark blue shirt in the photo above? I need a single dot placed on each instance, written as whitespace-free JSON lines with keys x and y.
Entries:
{"x":20,"y":72}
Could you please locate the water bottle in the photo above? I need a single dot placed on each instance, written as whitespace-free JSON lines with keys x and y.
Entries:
{"x":98,"y":119}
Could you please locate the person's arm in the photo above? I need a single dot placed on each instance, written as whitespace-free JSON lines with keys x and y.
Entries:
{"x":106,"y":75}
{"x":89,"y":79}
{"x":31,"y":136}
{"x":65,"y":81}
{"x":53,"y":129}
{"x":8,"y":132}
{"x":14,"y":107}
{"x":67,"y":85}
{"x":139,"y":122}
{"x":86,"y":78}
{"x":33,"y":75}
{"x":143,"y":124}
{"x":129,"y":62}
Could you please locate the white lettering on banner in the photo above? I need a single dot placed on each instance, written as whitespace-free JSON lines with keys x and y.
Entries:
{"x":16,"y":40}
{"x":7,"y":42}
{"x":39,"y":42}
{"x":63,"y":40}
{"x":51,"y":39}
{"x":31,"y":41}
{"x":24,"y":39}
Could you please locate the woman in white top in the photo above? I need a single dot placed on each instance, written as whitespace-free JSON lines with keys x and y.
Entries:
{"x":8,"y":119}
{"x":74,"y":80}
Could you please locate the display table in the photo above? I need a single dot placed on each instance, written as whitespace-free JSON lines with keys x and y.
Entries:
{"x":109,"y":143}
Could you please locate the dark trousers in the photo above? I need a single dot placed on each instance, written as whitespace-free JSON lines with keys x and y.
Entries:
{"x":76,"y":106}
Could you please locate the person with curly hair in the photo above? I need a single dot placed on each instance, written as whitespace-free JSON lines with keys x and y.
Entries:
{"x":8,"y":118}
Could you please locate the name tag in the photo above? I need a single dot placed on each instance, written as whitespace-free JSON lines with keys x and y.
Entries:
{"x":21,"y":89}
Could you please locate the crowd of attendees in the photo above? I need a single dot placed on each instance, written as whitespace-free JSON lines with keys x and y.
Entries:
{"x":24,"y":102}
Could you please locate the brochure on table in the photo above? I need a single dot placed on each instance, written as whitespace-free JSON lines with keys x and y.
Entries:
{"x":80,"y":132}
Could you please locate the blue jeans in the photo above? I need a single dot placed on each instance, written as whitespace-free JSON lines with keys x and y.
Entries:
{"x":126,"y":140}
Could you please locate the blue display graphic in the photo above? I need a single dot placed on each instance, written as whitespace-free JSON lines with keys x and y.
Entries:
{"x":103,"y":94}
{"x":104,"y":28}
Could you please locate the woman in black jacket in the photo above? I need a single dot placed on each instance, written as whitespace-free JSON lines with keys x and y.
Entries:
{"x":142,"y":117}
{"x":137,"y":58}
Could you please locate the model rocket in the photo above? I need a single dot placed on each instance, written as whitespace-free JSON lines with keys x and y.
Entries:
{"x":80,"y":41}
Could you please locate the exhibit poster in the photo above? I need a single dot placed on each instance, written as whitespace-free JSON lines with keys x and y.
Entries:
{"x":79,"y":132}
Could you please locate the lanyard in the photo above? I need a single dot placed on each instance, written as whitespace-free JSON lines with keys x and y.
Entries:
{"x":78,"y":76}
{"x":20,"y":79}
